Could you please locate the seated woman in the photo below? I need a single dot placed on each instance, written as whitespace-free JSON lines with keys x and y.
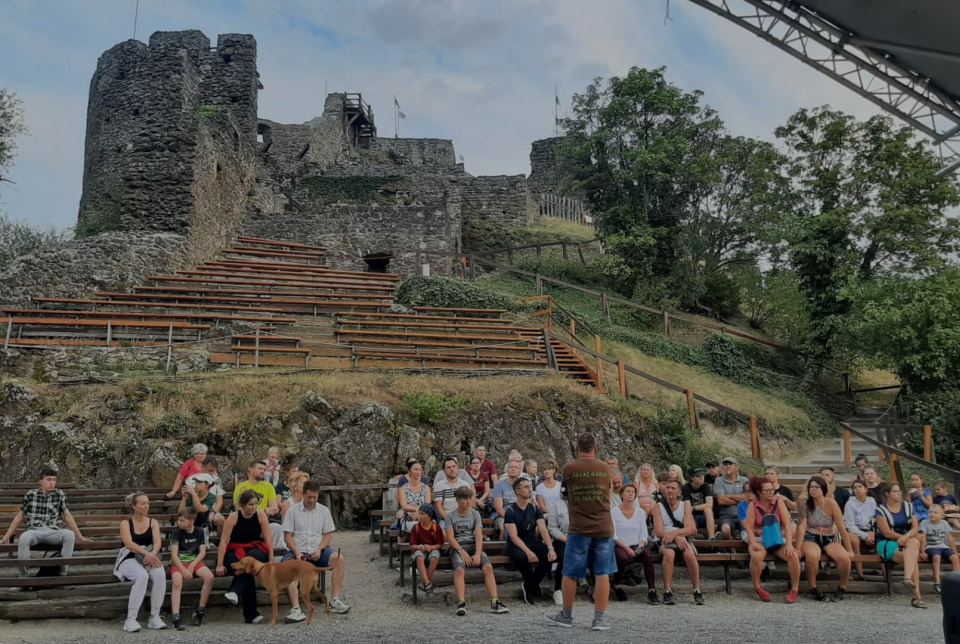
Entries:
{"x":646,"y":487}
{"x":858,"y":519}
{"x":295,"y":483}
{"x":677,"y":472}
{"x":920,"y":496}
{"x":245,"y":534}
{"x":765,"y":503}
{"x":139,"y":562}
{"x":193,"y":465}
{"x":819,"y":531}
{"x":630,"y":536}
{"x":481,"y":485}
{"x":673,"y":524}
{"x":897,"y":540}
{"x":414,"y":494}
{"x":558,"y":525}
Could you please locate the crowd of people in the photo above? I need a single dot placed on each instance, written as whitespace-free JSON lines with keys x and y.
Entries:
{"x":586,"y":518}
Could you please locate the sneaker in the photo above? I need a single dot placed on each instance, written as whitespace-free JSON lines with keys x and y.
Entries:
{"x":652,"y":598}
{"x":558,"y":597}
{"x":717,"y":536}
{"x":668,"y":598}
{"x":792,"y":597}
{"x":198,"y":617}
{"x":818,"y":595}
{"x":600,"y":624}
{"x":497,"y":606}
{"x":232,"y":598}
{"x":698,"y":598}
{"x":156,"y":623}
{"x":337,"y":606}
{"x":295,"y":616}
{"x":428,"y":590}
{"x":620,"y":594}
{"x":764,"y":595}
{"x":461,"y":608}
{"x":131,"y":626}
{"x":527,"y":594}
{"x":936,"y":588}
{"x":177,"y":625}
{"x":257,"y":619}
{"x":839,"y":595}
{"x":557,"y":619}
{"x":422,"y":587}
{"x":765,"y":573}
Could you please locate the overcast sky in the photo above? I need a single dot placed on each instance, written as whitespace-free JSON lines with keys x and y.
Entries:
{"x":480,"y":73}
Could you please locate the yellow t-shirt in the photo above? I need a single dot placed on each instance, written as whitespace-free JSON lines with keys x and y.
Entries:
{"x":264,"y":491}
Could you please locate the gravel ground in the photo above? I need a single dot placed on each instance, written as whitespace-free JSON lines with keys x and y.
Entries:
{"x":381,"y":614}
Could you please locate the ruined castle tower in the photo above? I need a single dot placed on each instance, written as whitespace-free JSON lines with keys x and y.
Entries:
{"x":171,"y":138}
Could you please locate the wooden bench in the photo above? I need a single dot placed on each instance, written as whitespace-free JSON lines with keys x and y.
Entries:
{"x":277,"y":242}
{"x":256,"y":295}
{"x":302,"y":284}
{"x":430,"y":335}
{"x":276,"y":254}
{"x":142,"y":315}
{"x":336,"y":301}
{"x":405,"y":324}
{"x":410,"y":316}
{"x":444,"y":309}
{"x":208,"y":305}
{"x":303,"y":268}
{"x":448,"y":349}
{"x":439,"y":357}
{"x":272,"y":276}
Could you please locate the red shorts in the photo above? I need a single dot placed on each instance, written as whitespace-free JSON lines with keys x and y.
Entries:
{"x":176,"y":571}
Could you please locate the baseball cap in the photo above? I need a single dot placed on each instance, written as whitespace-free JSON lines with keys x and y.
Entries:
{"x":203,"y":477}
{"x":695,"y":471}
{"x":729,"y":459}
{"x":711,"y":464}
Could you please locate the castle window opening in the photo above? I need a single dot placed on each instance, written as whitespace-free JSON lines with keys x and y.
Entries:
{"x":377,"y":262}
{"x":227,"y":58}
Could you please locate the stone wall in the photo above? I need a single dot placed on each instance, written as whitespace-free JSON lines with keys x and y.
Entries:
{"x":543,"y":168}
{"x":438,"y":152}
{"x":500,"y":200}
{"x":109,"y":261}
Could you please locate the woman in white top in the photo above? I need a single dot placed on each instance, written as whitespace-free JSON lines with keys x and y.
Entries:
{"x":548,"y":492}
{"x":630,"y":536}
{"x":646,"y":486}
{"x":858,"y":517}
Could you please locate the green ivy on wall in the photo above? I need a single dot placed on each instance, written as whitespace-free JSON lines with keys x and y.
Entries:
{"x":102,"y":213}
{"x":325,"y":190}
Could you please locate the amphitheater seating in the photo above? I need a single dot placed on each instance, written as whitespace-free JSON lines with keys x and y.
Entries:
{"x":207,"y":305}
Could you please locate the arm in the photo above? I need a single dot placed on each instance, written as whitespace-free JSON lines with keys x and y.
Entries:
{"x":518,"y":542}
{"x":926,"y":498}
{"x":616,"y":533}
{"x":545,"y":535}
{"x":838,"y":520}
{"x":157,"y":540}
{"x":13,"y":527}
{"x":219,"y":504}
{"x":407,"y":507}
{"x":176,"y":486}
{"x":658,"y":526}
{"x":265,"y":530}
{"x":885,"y":529}
{"x":324,"y":542}
{"x":951,"y":541}
{"x":478,"y":539}
{"x":224,"y":540}
{"x":197,"y":504}
{"x":542,"y":504}
{"x":183,"y":503}
{"x":689,"y":525}
{"x":730,"y":499}
{"x":486,"y":492}
{"x":752,"y":542}
{"x":273,"y":507}
{"x":553,"y":527}
{"x":291,"y":546}
{"x":72,"y":524}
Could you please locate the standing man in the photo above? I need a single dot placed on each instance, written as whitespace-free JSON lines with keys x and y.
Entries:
{"x":729,"y":493}
{"x":587,"y":486}
{"x":531,"y":555}
{"x":45,"y":510}
{"x":486,"y":465}
{"x":445,"y":488}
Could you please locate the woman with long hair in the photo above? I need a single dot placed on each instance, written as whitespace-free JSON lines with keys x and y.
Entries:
{"x":481,"y":485}
{"x":414,"y":494}
{"x":647,"y":486}
{"x":246,"y":533}
{"x":820,"y":529}
{"x":295,"y":482}
{"x":677,"y":472}
{"x":630,"y":537}
{"x":897,"y":540}
{"x":139,"y":562}
{"x":767,"y":503}
{"x":858,"y":518}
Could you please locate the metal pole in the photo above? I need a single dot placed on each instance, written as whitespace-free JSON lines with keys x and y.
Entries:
{"x":170,"y":347}
{"x":256,"y":350}
{"x":6,"y":343}
{"x":109,"y":332}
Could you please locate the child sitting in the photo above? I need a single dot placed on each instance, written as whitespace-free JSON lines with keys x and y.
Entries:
{"x":426,"y":541}
{"x":188,"y":546}
{"x":271,"y":473}
{"x":942,"y":497}
{"x":938,"y":543}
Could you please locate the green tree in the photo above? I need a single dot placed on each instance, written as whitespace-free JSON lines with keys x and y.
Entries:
{"x":11,"y":126}
{"x":868,"y":204}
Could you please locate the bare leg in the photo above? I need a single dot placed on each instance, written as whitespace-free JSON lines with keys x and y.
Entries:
{"x":339,"y":569}
{"x":840,"y":556}
{"x":667,"y":565}
{"x":711,"y":524}
{"x":756,"y":567}
{"x":489,"y":581}
{"x":601,"y":592}
{"x":423,"y":570}
{"x":955,"y":562}
{"x":911,"y":554}
{"x":292,"y":593}
{"x":459,"y":583}
{"x":934,"y":561}
{"x":811,"y":554}
{"x":569,"y":592}
{"x":432,"y":569}
{"x":207,"y":576}
{"x":854,"y":545}
{"x":175,"y":593}
{"x":693,"y":567}
{"x":793,"y":566}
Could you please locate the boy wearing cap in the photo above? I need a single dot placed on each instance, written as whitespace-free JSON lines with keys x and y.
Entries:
{"x":199,"y":498}
{"x":700,"y":495}
{"x":729,"y":492}
{"x":426,"y":541}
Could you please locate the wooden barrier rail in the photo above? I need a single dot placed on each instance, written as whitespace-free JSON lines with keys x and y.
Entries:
{"x":892,"y":453}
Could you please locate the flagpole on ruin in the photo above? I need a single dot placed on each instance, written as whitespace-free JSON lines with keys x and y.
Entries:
{"x":136,"y":14}
{"x":396,"y":118}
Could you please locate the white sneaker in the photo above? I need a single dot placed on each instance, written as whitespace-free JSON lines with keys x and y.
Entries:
{"x":558,"y":597}
{"x":295,"y":615}
{"x":131,"y":626}
{"x":257,"y":619}
{"x":232,"y":598}
{"x":337,"y":606}
{"x":156,"y":623}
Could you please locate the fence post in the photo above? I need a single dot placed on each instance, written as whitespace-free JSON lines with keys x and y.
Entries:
{"x":539,"y":285}
{"x":6,"y":343}
{"x":892,"y":462}
{"x":622,"y":378}
{"x":573,"y":328}
{"x":754,"y":438}
{"x":538,"y":251}
{"x":256,"y":351}
{"x":606,"y":305}
{"x":170,"y":347}
{"x":473,"y":266}
{"x":928,"y":444}
{"x":580,"y":251}
{"x":510,"y":256}
{"x":564,"y":245}
{"x":463,"y":267}
{"x":598,"y":349}
{"x":847,"y":448}
{"x":666,"y":324}
{"x":692,"y":405}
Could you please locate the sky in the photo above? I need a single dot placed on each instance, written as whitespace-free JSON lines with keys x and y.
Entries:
{"x":480,"y":73}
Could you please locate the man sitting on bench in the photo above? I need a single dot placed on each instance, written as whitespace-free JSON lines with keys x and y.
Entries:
{"x":45,"y":510}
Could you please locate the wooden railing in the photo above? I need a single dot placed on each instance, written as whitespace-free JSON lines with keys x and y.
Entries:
{"x":566,"y":208}
{"x":564,"y":245}
{"x":571,"y":325}
{"x":890,"y":452}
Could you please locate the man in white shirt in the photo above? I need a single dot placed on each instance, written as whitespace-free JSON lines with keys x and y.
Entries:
{"x":445,"y":487}
{"x":308,"y":529}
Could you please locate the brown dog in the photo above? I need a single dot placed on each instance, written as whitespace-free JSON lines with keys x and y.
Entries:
{"x":277,"y":576}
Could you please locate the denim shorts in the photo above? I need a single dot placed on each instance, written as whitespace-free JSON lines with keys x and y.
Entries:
{"x":596,"y":553}
{"x":322,"y":562}
{"x":944,"y":553}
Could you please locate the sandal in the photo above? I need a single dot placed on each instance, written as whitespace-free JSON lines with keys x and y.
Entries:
{"x":916,"y":602}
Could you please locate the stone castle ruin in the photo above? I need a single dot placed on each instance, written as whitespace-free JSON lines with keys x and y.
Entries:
{"x":178,"y":162}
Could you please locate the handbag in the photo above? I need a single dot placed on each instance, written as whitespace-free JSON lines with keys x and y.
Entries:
{"x":770,"y":531}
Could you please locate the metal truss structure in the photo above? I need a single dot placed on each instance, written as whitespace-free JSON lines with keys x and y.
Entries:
{"x":865,"y":66}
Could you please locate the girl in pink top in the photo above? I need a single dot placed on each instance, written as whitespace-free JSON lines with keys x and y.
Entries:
{"x":646,"y":486}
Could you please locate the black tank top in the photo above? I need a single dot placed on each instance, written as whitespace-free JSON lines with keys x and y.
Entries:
{"x":246,"y":530}
{"x":144,"y":539}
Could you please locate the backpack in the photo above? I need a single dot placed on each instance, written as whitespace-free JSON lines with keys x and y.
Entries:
{"x":770,"y":530}
{"x":888,"y":515}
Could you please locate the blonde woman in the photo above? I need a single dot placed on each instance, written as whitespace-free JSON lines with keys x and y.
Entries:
{"x":295,"y":483}
{"x":677,"y":473}
{"x":647,"y":486}
{"x":139,"y":562}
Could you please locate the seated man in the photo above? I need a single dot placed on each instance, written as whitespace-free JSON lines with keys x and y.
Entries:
{"x":616,"y":478}
{"x":528,"y":543}
{"x":614,"y":464}
{"x":729,"y":492}
{"x":673,"y":524}
{"x":308,"y":529}
{"x":503,"y":494}
{"x":266,"y":498}
{"x":45,"y":511}
{"x":444,"y":488}
{"x":772,"y":474}
{"x":558,"y":525}
{"x":700,"y":495}
{"x":465,"y":537}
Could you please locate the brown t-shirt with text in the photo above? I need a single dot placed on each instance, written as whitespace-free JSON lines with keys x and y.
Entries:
{"x":586,"y":485}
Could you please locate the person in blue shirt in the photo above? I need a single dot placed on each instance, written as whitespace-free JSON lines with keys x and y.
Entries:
{"x":742,"y":507}
{"x":920,"y":496}
{"x":941,"y":496}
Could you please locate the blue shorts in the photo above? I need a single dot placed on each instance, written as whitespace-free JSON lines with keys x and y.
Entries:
{"x":322,"y":562}
{"x":701,"y":521}
{"x":944,"y":553}
{"x":596,"y":553}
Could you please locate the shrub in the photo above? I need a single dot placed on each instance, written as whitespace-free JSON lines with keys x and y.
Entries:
{"x":20,"y":238}
{"x":726,"y":357}
{"x":721,"y":294}
{"x":676,"y":442}
{"x":448,"y":292}
{"x":431,"y":408}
